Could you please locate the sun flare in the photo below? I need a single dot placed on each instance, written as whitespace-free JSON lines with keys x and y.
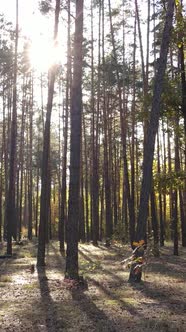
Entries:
{"x":43,"y":54}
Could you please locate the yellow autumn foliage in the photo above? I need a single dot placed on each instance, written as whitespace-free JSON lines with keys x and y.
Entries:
{"x":137,"y":244}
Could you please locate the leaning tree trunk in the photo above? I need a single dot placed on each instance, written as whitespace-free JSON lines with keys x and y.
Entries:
{"x":75,"y":144}
{"x":151,"y":135}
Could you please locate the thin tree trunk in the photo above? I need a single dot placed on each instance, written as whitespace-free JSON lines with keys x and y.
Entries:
{"x":175,"y":194}
{"x":95,"y":183}
{"x":133,"y":111}
{"x":162,"y":230}
{"x":164,"y":170}
{"x":21,"y":161}
{"x":86,"y":184}
{"x":37,"y":194}
{"x":63,"y":218}
{"x":81,"y":207}
{"x":10,"y":204}
{"x":180,"y":24}
{"x":108,"y":208}
{"x":30,"y":193}
{"x":170,"y":189}
{"x":123,"y":135}
{"x":5,"y":164}
{"x":45,"y":191}
{"x":154,"y":224}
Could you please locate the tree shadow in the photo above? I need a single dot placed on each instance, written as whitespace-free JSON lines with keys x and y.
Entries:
{"x":52,"y":321}
{"x":117,"y":280}
{"x":100,"y":321}
{"x":59,"y":258}
{"x":111,"y":295}
{"x":168,"y":265}
{"x":161,"y":295}
{"x":164,"y":297}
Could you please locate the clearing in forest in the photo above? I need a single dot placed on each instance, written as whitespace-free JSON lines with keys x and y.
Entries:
{"x":41,"y":300}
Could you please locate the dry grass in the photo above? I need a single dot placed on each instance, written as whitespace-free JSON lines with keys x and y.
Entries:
{"x":43,"y":301}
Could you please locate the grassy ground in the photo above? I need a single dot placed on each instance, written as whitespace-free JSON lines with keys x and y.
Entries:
{"x":42,"y":301}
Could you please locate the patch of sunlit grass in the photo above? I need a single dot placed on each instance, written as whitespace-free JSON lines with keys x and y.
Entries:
{"x":5,"y":278}
{"x":89,"y":267}
{"x":31,"y":286}
{"x":2,"y":284}
{"x":31,"y":254}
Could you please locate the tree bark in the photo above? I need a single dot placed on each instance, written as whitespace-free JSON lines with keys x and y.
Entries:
{"x":10,"y":205}
{"x":45,"y":177}
{"x":75,"y":145}
{"x":122,"y":112}
{"x":95,"y":178}
{"x":63,"y":216}
{"x":30,"y":185}
{"x":153,"y":126}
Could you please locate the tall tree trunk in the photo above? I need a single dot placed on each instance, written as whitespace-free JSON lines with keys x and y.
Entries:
{"x":153,"y":125}
{"x":75,"y":144}
{"x":44,"y":207}
{"x":175,"y":194}
{"x":5,"y":164}
{"x":181,"y":54}
{"x":21,"y":159}
{"x":107,"y":182}
{"x":81,"y":206}
{"x":63,"y":217}
{"x":152,"y":130}
{"x":162,"y":230}
{"x":171,"y":187}
{"x":122,"y":112}
{"x":164,"y":170}
{"x":30,"y":193}
{"x":10,"y":204}
{"x":95,"y":183}
{"x":37,"y":194}
{"x":86,"y":184}
{"x":133,"y":111}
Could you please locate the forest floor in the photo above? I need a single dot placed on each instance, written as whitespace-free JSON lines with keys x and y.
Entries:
{"x":43,"y":301}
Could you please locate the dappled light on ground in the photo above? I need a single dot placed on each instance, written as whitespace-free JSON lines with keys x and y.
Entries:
{"x":42,"y":300}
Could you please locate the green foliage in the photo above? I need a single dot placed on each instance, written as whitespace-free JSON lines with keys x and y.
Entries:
{"x":171,"y":96}
{"x":164,"y":181}
{"x":115,"y":12}
{"x":6,"y":48}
